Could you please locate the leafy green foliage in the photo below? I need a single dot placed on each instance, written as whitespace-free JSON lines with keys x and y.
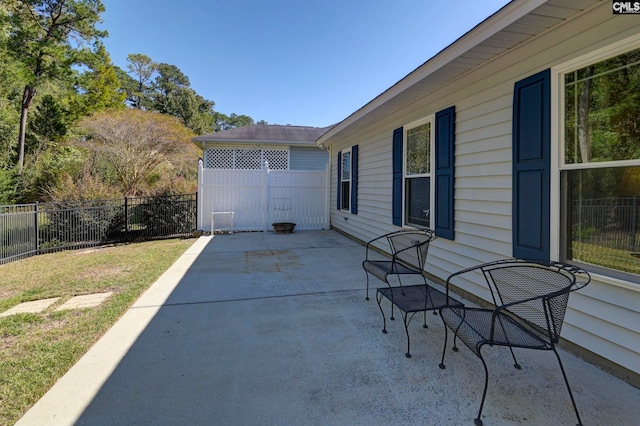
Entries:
{"x":226,"y":122}
{"x":54,"y":74}
{"x":8,"y":186}
{"x":49,"y":121}
{"x":136,"y":145}
{"x":98,"y":88}
{"x":602,"y":122}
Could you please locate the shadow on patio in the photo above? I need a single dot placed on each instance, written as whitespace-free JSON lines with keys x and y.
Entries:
{"x":269,"y":329}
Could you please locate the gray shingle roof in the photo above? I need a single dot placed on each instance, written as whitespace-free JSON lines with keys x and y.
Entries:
{"x":297,"y":135}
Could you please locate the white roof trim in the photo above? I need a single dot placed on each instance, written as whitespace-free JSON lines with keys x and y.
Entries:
{"x":234,"y":142}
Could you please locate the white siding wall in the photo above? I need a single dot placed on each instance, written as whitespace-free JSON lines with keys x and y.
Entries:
{"x":602,"y":318}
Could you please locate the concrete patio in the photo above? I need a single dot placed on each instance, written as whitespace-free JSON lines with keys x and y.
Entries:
{"x":270,"y":329}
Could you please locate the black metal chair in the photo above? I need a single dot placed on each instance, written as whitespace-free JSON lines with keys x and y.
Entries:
{"x":530,"y":301}
{"x":409,"y":250}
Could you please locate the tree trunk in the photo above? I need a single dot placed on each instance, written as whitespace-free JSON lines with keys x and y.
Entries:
{"x":27,"y":97}
{"x":584,"y":136}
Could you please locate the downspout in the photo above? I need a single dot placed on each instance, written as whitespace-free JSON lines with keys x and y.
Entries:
{"x":265,"y":196}
{"x":328,"y":190}
{"x":200,"y":198}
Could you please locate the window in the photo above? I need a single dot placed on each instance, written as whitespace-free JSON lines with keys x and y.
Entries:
{"x":417,"y":175}
{"x":345,"y":180}
{"x":600,"y":165}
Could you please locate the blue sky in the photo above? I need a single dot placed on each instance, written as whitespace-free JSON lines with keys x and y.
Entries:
{"x":300,"y":62}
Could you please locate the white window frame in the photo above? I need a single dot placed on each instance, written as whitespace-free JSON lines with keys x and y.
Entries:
{"x":427,"y":120}
{"x":557,"y":139}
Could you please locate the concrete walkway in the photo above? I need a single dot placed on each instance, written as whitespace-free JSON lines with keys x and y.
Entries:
{"x":269,"y":329}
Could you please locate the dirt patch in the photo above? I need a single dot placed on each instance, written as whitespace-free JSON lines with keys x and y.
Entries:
{"x":95,"y":249}
{"x":103,"y":272}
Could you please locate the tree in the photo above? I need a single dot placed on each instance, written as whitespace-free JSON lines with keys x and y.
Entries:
{"x":226,"y":122}
{"x":11,"y":84}
{"x":136,"y":146}
{"x":45,"y":37}
{"x":49,"y":120}
{"x":128,"y":86}
{"x":142,"y":68}
{"x":169,"y":81}
{"x":584,"y":136}
{"x":97,"y":88}
{"x":171,"y":94}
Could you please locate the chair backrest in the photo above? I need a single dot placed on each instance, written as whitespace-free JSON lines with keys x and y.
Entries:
{"x":411,"y":247}
{"x":535,"y":292}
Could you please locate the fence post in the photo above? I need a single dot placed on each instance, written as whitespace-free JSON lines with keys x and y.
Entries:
{"x":197,"y":212}
{"x":126,"y":217}
{"x":634,"y":222}
{"x":265,"y":197}
{"x":200,"y":208}
{"x":35,"y":221}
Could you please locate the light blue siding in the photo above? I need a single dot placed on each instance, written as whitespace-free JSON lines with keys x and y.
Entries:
{"x":308,"y":158}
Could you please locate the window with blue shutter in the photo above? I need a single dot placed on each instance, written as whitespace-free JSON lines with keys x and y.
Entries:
{"x":347,"y":190}
{"x":445,"y":172}
{"x":531,"y":167}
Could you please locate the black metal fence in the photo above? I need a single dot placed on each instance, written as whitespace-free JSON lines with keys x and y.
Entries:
{"x":31,"y":229}
{"x":608,"y":222}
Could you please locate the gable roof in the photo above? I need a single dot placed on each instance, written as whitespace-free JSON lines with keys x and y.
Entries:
{"x":512,"y":25}
{"x":266,"y":134}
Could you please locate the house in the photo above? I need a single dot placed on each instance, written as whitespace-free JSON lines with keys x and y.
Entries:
{"x":522,"y":138}
{"x":264,"y":174}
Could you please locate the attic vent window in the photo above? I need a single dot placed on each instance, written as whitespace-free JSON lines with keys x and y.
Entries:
{"x":246,"y":159}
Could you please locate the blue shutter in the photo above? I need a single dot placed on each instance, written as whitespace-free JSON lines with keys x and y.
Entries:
{"x":531,"y":166}
{"x":397,"y":177}
{"x":445,"y":172}
{"x":339,"y":193}
{"x":354,"y":179}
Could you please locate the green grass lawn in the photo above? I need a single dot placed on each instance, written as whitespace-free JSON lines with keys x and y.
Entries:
{"x":621,"y":260}
{"x":37,"y":349}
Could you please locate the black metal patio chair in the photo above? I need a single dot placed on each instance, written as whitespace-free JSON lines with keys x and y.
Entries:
{"x":409,"y":250}
{"x":530,"y":301}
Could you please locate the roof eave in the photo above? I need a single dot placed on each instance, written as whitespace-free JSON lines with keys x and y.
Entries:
{"x":203,"y":141}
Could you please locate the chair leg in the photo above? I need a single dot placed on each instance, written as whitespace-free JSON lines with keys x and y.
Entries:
{"x":515,"y":361}
{"x":384,"y":318}
{"x":393,"y":305}
{"x":566,"y":381}
{"x":478,"y":421}
{"x":407,"y":320}
{"x":455,"y":337}
{"x":367,"y":297}
{"x":428,"y":302}
{"x":444,"y":348}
